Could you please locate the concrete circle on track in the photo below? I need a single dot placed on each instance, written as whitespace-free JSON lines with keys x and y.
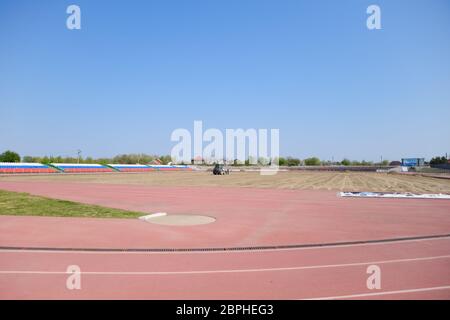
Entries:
{"x":182,"y":220}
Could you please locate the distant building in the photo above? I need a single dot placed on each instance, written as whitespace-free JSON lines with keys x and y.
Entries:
{"x":395,"y":163}
{"x":413,"y":162}
{"x":156,"y":162}
{"x":198,"y":160}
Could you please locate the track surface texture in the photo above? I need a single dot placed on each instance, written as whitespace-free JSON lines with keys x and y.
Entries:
{"x":285,"y":228}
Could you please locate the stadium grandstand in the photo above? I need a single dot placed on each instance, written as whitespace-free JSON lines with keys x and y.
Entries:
{"x":81,"y":167}
{"x":170,"y":167}
{"x":21,"y":167}
{"x":132,"y":167}
{"x":150,"y":167}
{"x":17,"y":167}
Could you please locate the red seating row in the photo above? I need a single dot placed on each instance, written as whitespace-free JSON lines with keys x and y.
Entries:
{"x":27,"y":170}
{"x":136,"y":169}
{"x":85,"y":170}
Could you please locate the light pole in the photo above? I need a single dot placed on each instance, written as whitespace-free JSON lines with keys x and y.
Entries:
{"x":79,"y":154}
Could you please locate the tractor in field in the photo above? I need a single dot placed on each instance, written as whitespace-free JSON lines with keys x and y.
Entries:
{"x":220,"y":170}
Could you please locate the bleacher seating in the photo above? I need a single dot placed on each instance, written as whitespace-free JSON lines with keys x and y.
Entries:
{"x":11,"y":167}
{"x":132,"y":167}
{"x":21,"y":167}
{"x":170,"y":167}
{"x":82,"y":167}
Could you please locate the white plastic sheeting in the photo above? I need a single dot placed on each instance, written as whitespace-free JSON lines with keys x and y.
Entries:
{"x":395,"y":195}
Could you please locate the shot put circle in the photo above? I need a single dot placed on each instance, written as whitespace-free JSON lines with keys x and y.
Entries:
{"x":182,"y":220}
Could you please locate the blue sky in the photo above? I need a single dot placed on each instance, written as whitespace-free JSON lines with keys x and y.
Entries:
{"x":137,"y":70}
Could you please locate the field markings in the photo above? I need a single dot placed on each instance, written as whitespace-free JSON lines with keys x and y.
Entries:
{"x":374,"y":294}
{"x":132,"y":273}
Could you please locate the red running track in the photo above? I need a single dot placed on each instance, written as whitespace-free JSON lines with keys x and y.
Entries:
{"x":245,"y":217}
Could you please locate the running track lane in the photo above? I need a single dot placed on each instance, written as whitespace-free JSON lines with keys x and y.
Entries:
{"x":415,"y":269}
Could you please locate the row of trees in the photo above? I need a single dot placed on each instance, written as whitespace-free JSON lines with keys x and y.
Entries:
{"x":314,"y":161}
{"x":293,"y":162}
{"x":133,"y":158}
{"x":439,"y":160}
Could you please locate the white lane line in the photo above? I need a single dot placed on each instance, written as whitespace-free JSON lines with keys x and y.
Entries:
{"x":222,"y":252}
{"x":227,"y":271}
{"x":152,"y":216}
{"x":362,"y":295}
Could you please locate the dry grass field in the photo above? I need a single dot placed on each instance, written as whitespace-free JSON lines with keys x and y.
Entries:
{"x":343,"y":181}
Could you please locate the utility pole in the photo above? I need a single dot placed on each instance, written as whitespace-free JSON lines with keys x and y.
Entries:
{"x":79,"y":154}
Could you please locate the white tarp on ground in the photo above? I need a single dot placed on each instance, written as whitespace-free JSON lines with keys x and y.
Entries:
{"x":394,"y":195}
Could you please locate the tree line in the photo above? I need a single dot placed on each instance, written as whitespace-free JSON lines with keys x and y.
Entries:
{"x":439,"y":160}
{"x":314,"y":161}
{"x":142,"y":158}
